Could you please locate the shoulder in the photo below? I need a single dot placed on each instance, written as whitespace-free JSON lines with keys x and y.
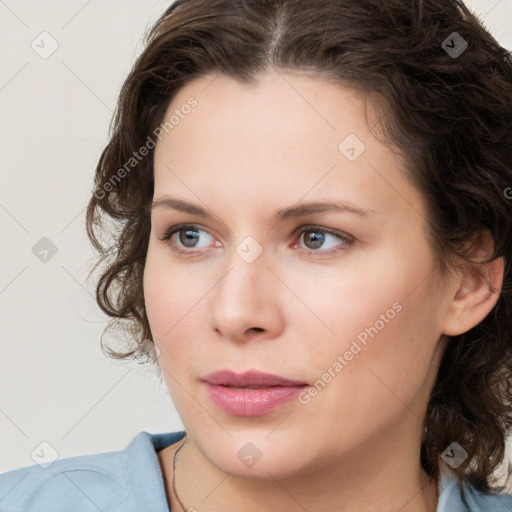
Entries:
{"x":113,"y":481}
{"x":452,"y":499}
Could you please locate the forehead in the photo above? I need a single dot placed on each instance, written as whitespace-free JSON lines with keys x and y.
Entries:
{"x":284,"y":136}
{"x":278,"y":114}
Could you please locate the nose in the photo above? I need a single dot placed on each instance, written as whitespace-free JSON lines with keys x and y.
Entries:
{"x":246,"y":302}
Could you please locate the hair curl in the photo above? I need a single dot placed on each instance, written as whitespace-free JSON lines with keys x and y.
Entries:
{"x":449,"y":117}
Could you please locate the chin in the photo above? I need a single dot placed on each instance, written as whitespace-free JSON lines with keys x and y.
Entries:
{"x":254,"y":456}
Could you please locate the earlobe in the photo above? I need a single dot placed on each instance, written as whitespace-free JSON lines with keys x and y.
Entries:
{"x":478,"y":291}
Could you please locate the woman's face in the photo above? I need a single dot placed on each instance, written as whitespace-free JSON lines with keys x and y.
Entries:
{"x":304,"y":255}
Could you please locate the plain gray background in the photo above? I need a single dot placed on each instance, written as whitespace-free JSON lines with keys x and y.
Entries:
{"x":55,"y":384}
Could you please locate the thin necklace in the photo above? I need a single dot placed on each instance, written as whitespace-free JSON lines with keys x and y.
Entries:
{"x":174,"y":475}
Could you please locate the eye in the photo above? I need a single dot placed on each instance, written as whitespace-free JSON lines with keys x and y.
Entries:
{"x":187,"y":236}
{"x":322,"y":240}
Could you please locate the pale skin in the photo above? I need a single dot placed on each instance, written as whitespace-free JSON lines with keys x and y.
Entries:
{"x":243,"y":153}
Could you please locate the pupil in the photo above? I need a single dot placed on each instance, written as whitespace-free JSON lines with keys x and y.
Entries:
{"x":188,"y":237}
{"x":315,"y":239}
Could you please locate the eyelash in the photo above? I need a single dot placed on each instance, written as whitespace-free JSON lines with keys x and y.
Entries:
{"x":347,"y":239}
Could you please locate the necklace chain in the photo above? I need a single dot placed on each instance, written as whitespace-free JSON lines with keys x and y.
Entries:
{"x":174,"y":475}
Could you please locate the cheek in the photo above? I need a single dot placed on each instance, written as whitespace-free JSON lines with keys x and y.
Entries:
{"x":346,"y":302}
{"x":370,"y":377}
{"x":166,"y":309}
{"x":169,"y":291}
{"x":175,"y":307}
{"x":383,"y":329}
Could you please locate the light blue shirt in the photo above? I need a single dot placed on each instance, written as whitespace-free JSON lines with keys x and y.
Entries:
{"x":131,"y":480}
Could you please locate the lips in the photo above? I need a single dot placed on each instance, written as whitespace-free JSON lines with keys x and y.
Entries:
{"x":251,"y":393}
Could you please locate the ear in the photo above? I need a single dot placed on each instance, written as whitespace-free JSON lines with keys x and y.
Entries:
{"x":476,"y":288}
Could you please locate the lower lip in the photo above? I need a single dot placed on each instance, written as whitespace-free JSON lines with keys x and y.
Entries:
{"x":251,"y":402}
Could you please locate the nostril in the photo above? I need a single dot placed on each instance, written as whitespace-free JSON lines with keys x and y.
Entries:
{"x":258,"y":329}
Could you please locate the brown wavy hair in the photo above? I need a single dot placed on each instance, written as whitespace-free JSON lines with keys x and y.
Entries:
{"x":450,"y":118}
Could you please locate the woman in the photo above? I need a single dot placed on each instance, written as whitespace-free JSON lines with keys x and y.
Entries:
{"x":314,"y":235}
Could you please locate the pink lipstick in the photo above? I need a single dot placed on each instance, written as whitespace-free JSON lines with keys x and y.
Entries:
{"x":251,"y":393}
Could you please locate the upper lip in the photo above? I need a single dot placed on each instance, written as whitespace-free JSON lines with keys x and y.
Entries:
{"x":249,"y":378}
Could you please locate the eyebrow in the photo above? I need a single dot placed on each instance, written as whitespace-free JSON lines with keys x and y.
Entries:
{"x":279,"y":215}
